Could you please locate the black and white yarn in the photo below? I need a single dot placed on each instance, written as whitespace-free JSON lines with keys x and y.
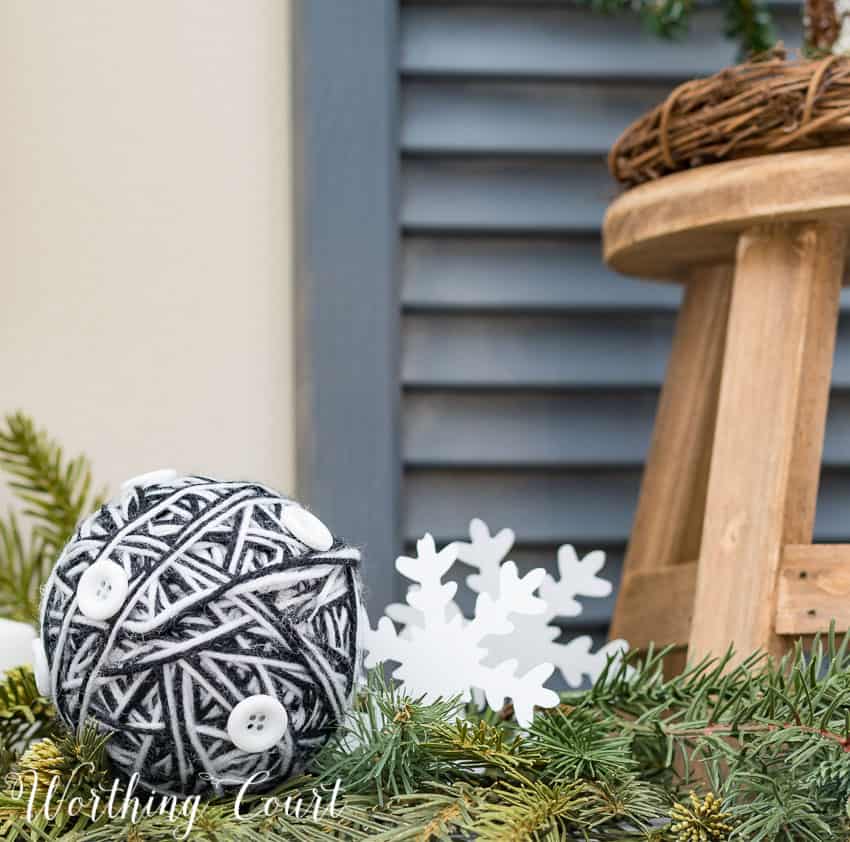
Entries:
{"x":224,"y":602}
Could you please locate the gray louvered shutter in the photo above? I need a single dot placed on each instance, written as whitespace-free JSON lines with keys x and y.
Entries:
{"x":531,"y":372}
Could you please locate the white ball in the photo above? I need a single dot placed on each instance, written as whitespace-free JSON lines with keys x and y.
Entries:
{"x":15,"y":644}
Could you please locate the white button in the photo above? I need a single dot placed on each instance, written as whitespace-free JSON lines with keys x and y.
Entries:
{"x":40,"y":668}
{"x":307,"y":528}
{"x":257,"y":723}
{"x":102,"y":590}
{"x":162,"y":477}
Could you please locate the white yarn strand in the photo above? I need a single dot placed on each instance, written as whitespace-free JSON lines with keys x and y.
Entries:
{"x":224,"y":603}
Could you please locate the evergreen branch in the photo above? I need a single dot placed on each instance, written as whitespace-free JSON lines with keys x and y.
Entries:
{"x":577,"y":746}
{"x":24,"y":567}
{"x":750,"y":23}
{"x":483,"y":748}
{"x":56,"y":492}
{"x":668,"y":19}
{"x":382,"y":745}
{"x":25,"y":715}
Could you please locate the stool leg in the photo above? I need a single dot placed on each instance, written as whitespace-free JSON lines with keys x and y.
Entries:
{"x":769,"y":436}
{"x":668,"y":520}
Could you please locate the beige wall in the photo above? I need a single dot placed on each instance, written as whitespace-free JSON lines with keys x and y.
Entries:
{"x":145,"y":231}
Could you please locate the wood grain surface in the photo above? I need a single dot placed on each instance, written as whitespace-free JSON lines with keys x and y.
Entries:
{"x":662,"y":229}
{"x":773,"y":398}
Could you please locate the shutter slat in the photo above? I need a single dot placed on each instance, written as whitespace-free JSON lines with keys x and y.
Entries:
{"x":455,"y":430}
{"x":527,"y":40}
{"x":525,"y":351}
{"x":518,"y":274}
{"x":530,"y":273}
{"x":505,"y":195}
{"x":601,"y":350}
{"x":579,"y":506}
{"x":514,"y":118}
{"x":550,"y":507}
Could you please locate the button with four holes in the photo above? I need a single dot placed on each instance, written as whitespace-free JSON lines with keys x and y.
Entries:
{"x":41,"y":669}
{"x":102,"y":590}
{"x":307,"y":528}
{"x":257,"y":723}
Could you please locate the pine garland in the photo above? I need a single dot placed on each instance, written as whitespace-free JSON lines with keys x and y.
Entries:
{"x":757,"y":752}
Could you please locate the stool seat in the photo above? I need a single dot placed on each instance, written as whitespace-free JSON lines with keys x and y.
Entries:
{"x":662,"y":229}
{"x":720,"y":551}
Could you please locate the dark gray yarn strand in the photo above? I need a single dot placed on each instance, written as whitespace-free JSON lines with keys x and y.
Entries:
{"x":224,"y":603}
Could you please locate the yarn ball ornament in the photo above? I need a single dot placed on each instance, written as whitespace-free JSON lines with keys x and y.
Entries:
{"x":213,"y":628}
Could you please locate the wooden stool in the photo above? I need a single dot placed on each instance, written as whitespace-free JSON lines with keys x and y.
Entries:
{"x":721,"y":548}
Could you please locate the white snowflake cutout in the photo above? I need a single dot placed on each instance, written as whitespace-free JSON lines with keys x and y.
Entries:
{"x":486,"y":552}
{"x":442,"y":655}
{"x":534,"y":638}
{"x":577,"y":577}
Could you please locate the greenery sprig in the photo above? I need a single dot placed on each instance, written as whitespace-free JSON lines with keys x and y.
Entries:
{"x":749,"y":22}
{"x":25,"y":717}
{"x":55,"y":494}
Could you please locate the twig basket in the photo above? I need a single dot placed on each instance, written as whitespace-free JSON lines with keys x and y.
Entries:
{"x":757,"y":108}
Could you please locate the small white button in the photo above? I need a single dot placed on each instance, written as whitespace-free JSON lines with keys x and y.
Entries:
{"x":41,"y":669}
{"x":162,"y":477}
{"x":307,"y":528}
{"x":257,"y":723}
{"x":102,"y":590}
